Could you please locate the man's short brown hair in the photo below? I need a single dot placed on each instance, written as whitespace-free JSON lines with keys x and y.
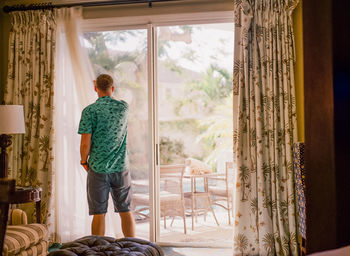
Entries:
{"x":104,"y":82}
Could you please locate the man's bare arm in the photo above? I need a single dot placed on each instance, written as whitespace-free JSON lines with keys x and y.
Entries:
{"x":85,"y":148}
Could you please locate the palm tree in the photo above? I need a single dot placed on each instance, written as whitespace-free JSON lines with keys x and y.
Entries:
{"x":284,"y":210}
{"x":266,"y":102}
{"x":276,"y":169}
{"x":254,"y":204}
{"x":243,"y":176}
{"x":48,"y":82}
{"x":266,"y":170}
{"x":290,"y":168}
{"x":44,"y":145}
{"x":252,"y":137}
{"x":237,"y":71}
{"x":270,"y":205}
{"x":241,"y":243}
{"x":269,"y":243}
{"x":289,"y":243}
{"x":218,"y":126}
{"x":235,"y":137}
{"x":36,"y":117}
{"x":30,"y":110}
{"x":209,"y":91}
{"x":29,"y":76}
{"x":28,"y":177}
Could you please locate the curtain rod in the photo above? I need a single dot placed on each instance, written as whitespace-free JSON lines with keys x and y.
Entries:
{"x":48,"y":6}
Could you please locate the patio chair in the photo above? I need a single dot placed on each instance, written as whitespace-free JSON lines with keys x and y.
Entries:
{"x":171,"y":196}
{"x":222,"y":190}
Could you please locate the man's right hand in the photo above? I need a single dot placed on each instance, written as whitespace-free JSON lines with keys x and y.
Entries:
{"x":85,"y":149}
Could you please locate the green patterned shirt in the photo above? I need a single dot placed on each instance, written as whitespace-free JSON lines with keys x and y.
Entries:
{"x":107,"y":121}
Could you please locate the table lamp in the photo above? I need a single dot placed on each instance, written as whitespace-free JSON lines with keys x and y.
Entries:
{"x":11,"y":122}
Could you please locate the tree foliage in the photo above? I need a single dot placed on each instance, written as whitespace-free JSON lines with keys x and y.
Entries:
{"x":210,"y":95}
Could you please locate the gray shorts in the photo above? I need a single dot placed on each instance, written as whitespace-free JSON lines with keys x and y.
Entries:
{"x":100,"y":184}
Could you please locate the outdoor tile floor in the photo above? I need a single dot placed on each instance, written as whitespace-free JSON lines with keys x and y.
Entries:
{"x":185,"y":251}
{"x":205,"y":233}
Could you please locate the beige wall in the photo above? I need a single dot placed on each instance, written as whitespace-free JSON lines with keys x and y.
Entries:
{"x":103,"y":12}
{"x":160,"y":8}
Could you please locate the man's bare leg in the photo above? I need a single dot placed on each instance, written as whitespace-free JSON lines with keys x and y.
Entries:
{"x":98,"y":225}
{"x":128,"y":224}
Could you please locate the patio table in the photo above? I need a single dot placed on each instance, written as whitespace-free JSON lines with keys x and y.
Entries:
{"x":200,"y":193}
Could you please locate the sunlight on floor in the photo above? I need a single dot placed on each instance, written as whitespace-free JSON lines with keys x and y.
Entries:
{"x":206,"y":232}
{"x":173,"y":251}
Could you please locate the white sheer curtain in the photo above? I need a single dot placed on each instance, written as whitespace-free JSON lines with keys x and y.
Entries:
{"x":73,"y":91}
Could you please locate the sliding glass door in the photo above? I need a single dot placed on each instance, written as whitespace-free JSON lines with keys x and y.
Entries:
{"x":194,"y":68}
{"x":124,"y":55}
{"x":177,"y":80}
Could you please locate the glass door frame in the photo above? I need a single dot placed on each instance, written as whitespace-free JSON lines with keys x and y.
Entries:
{"x":151,"y":23}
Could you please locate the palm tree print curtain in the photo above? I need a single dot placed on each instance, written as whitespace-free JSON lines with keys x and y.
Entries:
{"x":30,"y":83}
{"x":264,"y":128}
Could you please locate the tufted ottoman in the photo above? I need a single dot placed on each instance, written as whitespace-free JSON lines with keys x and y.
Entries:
{"x":109,"y":246}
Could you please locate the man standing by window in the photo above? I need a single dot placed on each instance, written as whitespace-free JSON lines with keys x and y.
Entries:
{"x":103,"y":129}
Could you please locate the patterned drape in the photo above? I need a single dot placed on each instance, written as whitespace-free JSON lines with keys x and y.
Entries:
{"x":30,"y":83}
{"x":264,"y":128}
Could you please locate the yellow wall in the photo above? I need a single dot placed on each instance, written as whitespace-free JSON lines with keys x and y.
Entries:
{"x":299,"y":69}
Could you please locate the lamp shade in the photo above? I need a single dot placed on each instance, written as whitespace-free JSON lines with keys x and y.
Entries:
{"x":11,"y":119}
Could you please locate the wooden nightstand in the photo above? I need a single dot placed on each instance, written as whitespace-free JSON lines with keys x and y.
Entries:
{"x":27,"y":195}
